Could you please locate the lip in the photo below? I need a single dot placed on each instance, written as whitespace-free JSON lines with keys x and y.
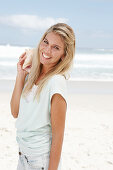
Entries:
{"x":44,"y":57}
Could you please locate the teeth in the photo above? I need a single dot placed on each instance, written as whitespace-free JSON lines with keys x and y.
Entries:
{"x":45,"y":56}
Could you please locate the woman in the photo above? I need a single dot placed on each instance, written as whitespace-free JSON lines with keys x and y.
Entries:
{"x":39,"y":100}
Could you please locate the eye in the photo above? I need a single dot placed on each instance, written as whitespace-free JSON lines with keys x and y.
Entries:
{"x":56,"y":47}
{"x":45,"y":41}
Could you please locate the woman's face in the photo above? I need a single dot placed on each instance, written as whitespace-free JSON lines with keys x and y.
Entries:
{"x":51,"y":49}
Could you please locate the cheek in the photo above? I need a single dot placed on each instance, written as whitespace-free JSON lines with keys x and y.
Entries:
{"x":56,"y":56}
{"x":42,"y":46}
{"x":57,"y":53}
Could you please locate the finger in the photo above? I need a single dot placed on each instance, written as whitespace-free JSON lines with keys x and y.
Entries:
{"x":22,"y":59}
{"x":22,"y":55}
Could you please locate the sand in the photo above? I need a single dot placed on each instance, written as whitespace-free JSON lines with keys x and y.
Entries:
{"x":88,"y":138}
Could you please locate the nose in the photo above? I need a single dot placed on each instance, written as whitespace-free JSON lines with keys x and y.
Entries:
{"x":48,"y":49}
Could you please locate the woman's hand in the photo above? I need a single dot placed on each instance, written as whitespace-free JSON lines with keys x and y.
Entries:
{"x":20,"y":70}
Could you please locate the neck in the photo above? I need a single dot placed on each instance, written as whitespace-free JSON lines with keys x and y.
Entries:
{"x":45,"y":70}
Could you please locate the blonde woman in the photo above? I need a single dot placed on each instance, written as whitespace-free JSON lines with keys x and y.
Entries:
{"x":39,"y":100}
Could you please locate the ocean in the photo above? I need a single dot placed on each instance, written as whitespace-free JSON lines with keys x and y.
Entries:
{"x":89,"y":64}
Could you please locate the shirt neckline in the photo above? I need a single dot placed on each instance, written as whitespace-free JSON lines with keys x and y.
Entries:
{"x":35,"y":85}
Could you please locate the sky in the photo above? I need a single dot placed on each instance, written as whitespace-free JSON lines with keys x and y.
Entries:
{"x":23,"y":22}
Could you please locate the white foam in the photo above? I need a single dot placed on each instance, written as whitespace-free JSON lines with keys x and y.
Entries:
{"x":11,"y":51}
{"x":5,"y":63}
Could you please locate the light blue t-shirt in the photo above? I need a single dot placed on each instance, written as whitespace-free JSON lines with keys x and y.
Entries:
{"x":34,"y":133}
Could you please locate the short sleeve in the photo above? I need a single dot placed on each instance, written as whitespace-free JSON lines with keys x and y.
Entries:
{"x":58,"y":85}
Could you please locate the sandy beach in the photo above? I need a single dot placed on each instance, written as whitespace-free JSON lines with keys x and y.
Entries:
{"x":88,"y":138}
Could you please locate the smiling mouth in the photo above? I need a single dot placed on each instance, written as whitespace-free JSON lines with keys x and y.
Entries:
{"x":45,"y":56}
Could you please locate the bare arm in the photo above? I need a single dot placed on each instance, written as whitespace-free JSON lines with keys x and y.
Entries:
{"x":15,"y":100}
{"x":19,"y":84}
{"x":58,"y":113}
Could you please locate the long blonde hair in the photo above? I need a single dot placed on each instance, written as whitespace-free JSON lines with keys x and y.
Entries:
{"x":62,"y":67}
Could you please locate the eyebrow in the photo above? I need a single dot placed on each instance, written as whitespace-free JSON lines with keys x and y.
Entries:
{"x":53,"y":44}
